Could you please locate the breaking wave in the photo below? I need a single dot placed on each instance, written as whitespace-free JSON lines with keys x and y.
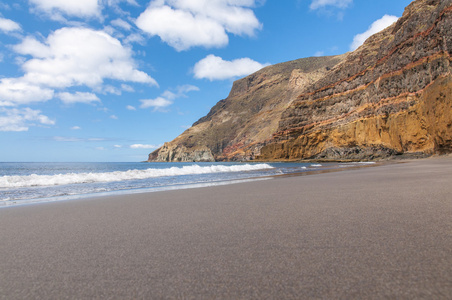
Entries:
{"x":32,"y":180}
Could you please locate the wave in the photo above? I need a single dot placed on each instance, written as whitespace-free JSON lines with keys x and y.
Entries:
{"x":15,"y":181}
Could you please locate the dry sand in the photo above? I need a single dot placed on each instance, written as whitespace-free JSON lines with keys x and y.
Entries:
{"x":381,"y":232}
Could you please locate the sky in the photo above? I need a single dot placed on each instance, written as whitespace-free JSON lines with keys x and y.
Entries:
{"x":112,"y":80}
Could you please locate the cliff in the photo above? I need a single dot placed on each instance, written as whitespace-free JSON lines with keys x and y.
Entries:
{"x":391,"y":96}
{"x":236,"y":126}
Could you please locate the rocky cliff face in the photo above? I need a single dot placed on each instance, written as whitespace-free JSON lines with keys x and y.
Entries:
{"x":235,"y":127}
{"x":391,"y":96}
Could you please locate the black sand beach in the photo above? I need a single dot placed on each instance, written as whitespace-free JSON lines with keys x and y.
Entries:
{"x":370,"y":233}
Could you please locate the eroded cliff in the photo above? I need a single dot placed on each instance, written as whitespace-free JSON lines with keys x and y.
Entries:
{"x":391,"y":96}
{"x":236,"y":126}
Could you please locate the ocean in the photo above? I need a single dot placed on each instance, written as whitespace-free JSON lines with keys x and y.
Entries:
{"x":24,"y":183}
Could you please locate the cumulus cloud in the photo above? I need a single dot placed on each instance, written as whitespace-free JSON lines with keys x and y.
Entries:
{"x":15,"y":92}
{"x":7,"y":25}
{"x":215,"y":68}
{"x":79,"y":8}
{"x":376,"y":26}
{"x":68,"y":58}
{"x":317,"y":4}
{"x":142,"y":146}
{"x":79,"y":56}
{"x":130,"y":107}
{"x":184,"y":24}
{"x":76,"y":128}
{"x":21,"y":119}
{"x":167,"y":97}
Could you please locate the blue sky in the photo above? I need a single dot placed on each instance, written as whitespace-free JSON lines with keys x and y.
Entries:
{"x":112,"y":80}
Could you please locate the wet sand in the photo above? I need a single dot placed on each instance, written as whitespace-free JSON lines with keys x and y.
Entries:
{"x":379,"y":232}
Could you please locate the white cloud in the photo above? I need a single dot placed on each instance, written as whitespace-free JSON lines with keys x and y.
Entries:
{"x":21,"y":119}
{"x":167,"y":97}
{"x":70,"y":57}
{"x":130,"y":107}
{"x":316,"y":4}
{"x":141,"y":146}
{"x":78,"y":8}
{"x":158,"y":103}
{"x":215,"y":68}
{"x":109,"y":89}
{"x":376,"y":26}
{"x":121,"y":24}
{"x":183,"y":89}
{"x":180,"y":91}
{"x":16,"y":92}
{"x":76,"y":128}
{"x":78,"y":97}
{"x":117,"y":8}
{"x":135,"y":38}
{"x":184,"y":24}
{"x":7,"y":25}
{"x":114,"y":117}
{"x":79,"y":56}
{"x":30,"y":46}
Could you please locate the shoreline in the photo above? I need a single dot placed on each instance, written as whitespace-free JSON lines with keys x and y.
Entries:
{"x":380,"y":232}
{"x":331,"y":167}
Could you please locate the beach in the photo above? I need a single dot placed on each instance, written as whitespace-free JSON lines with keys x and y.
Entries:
{"x":366,"y":233}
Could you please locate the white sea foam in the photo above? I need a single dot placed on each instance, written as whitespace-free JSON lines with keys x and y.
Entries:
{"x":75,"y":178}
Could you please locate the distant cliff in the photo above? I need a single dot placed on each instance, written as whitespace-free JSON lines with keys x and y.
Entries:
{"x":391,"y":96}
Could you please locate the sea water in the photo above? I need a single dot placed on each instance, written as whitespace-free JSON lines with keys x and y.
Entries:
{"x":22,"y":183}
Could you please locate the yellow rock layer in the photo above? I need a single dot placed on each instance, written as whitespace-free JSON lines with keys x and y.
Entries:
{"x":424,"y":127}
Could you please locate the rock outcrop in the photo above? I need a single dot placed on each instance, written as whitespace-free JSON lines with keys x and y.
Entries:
{"x":391,"y":96}
{"x":236,"y":126}
{"x":180,"y":153}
